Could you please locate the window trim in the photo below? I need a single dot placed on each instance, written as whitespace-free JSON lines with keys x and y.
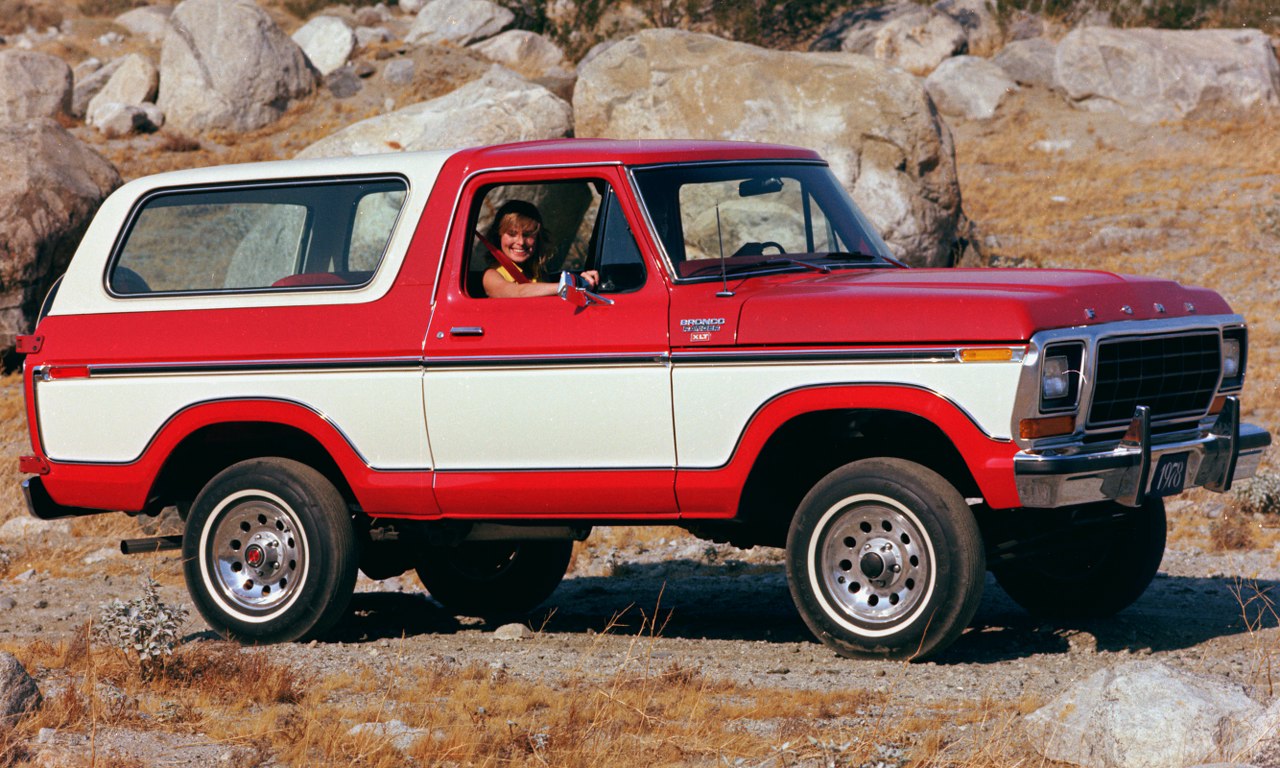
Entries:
{"x":141,"y":203}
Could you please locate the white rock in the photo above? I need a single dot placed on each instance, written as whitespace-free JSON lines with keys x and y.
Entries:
{"x":1142,"y":715}
{"x":1156,"y":74}
{"x":33,"y":85}
{"x":527,"y":53}
{"x":509,"y":632}
{"x":109,"y":39}
{"x":155,"y":116}
{"x":150,"y":21}
{"x":88,"y":84}
{"x":134,"y":82}
{"x":401,"y":736}
{"x":461,"y":22}
{"x":969,"y":87}
{"x":873,"y":123}
{"x":327,"y":41}
{"x":226,"y":65}
{"x":854,"y":30}
{"x":115,"y":120}
{"x":978,"y":19}
{"x":98,"y":555}
{"x":412,"y":6}
{"x":499,"y":107}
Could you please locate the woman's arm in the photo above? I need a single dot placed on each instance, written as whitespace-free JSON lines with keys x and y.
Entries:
{"x":498,"y":287}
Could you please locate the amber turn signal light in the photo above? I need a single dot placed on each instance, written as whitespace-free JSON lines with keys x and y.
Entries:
{"x":1219,"y":403}
{"x":1030,"y":429}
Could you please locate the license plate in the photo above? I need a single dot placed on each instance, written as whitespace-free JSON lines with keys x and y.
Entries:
{"x":1170,"y":475}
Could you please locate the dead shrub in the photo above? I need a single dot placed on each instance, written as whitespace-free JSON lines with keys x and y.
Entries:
{"x":177,"y":142}
{"x":227,"y":672}
{"x":17,"y":15}
{"x":1231,"y":531}
{"x":108,"y":7}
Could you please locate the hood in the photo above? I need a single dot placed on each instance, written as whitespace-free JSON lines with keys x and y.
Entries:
{"x":921,"y":306}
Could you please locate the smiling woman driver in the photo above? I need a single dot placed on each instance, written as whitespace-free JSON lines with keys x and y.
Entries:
{"x":517,"y":231}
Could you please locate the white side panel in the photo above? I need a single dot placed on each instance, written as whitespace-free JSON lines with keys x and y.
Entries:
{"x":566,"y":417}
{"x":714,"y":403}
{"x":112,"y":419}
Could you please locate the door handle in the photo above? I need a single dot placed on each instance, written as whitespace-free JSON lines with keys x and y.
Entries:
{"x":466,"y":330}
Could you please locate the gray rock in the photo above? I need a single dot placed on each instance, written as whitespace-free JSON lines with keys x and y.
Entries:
{"x":400,"y":736}
{"x":1142,"y":715}
{"x":93,"y":80}
{"x":917,"y":42}
{"x":115,"y":120}
{"x":874,"y":123}
{"x":50,"y":186}
{"x":859,"y":25}
{"x":461,"y":22}
{"x":978,"y":19}
{"x":1154,"y":74}
{"x":151,"y":21}
{"x":327,"y":41}
{"x":1262,"y":742}
{"x":527,"y":53}
{"x":499,"y":107}
{"x":509,"y":632}
{"x":8,"y":603}
{"x":969,"y":87}
{"x":1029,"y":62}
{"x":399,"y":72}
{"x":33,"y":85}
{"x":134,"y":82}
{"x":343,"y":83}
{"x":18,"y":692}
{"x":367,"y":36}
{"x":226,"y":65}
{"x":24,"y":527}
{"x":412,"y":6}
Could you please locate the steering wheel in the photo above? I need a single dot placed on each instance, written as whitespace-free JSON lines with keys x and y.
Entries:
{"x":757,"y":249}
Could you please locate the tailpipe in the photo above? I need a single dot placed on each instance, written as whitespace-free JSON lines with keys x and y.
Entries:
{"x":152,"y":544}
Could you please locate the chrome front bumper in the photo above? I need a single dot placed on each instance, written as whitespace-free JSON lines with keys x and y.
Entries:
{"x":1229,"y":451}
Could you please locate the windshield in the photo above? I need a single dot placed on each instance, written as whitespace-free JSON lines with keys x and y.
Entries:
{"x":761,"y":217}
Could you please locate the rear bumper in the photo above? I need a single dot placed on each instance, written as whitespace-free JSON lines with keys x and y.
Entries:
{"x":1215,"y":459}
{"x":42,"y":506}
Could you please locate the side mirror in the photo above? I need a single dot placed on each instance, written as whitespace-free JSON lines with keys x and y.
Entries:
{"x":575,"y":292}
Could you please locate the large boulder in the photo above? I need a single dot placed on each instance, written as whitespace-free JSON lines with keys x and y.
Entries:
{"x":1143,"y":715}
{"x":18,"y":692}
{"x":874,"y":123}
{"x":969,"y":87}
{"x":33,"y":85}
{"x":856,"y":28}
{"x":150,"y":21}
{"x":134,"y":83}
{"x":91,"y":76}
{"x":327,"y":41}
{"x":527,"y":53}
{"x":499,"y":107}
{"x":977,"y":17}
{"x":1030,"y":61}
{"x":1157,"y":74}
{"x":50,"y":186}
{"x":461,"y":22}
{"x":917,"y":42}
{"x":225,"y":65}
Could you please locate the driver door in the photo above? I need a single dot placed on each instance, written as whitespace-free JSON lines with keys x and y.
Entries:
{"x":538,"y":407}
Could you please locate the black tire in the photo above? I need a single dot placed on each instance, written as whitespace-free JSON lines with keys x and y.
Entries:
{"x":1091,"y":576}
{"x":494,"y":579}
{"x":846,"y":538}
{"x":294,"y":523}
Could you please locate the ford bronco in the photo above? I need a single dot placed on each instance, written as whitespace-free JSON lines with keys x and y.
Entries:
{"x":300,"y":357}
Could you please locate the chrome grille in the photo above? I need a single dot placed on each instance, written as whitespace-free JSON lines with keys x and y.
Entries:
{"x":1176,"y":376}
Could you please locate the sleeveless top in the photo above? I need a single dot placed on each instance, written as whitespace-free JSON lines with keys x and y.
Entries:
{"x":507,"y":276}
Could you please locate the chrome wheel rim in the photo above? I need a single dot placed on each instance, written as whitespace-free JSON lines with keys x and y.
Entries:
{"x":257,"y":555}
{"x":873,"y":562}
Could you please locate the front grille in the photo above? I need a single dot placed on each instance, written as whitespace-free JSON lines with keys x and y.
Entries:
{"x":1175,"y":376}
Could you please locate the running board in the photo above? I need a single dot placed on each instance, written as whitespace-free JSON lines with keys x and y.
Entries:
{"x":153,"y":544}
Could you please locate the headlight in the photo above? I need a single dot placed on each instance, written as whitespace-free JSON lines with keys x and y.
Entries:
{"x":1060,"y":377}
{"x":1230,"y":358}
{"x":1055,"y":378}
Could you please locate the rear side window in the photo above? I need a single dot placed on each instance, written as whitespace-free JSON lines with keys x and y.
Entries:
{"x":252,"y":238}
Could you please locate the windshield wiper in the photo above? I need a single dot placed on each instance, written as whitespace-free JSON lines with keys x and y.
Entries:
{"x":847,"y":256}
{"x":781,"y":262}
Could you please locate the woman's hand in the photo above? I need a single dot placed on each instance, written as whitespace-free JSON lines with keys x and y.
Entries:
{"x":592,"y":278}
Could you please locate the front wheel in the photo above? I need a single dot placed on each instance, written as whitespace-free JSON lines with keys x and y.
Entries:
{"x":494,"y":578}
{"x":884,"y":559}
{"x":1091,"y":571}
{"x":269,"y":552}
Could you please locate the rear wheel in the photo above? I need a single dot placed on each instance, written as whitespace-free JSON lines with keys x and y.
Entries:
{"x":885,"y":559}
{"x":1094,"y":575}
{"x":269,"y":553}
{"x":494,"y":578}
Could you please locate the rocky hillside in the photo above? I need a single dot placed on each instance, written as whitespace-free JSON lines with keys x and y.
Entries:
{"x":89,"y":96}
